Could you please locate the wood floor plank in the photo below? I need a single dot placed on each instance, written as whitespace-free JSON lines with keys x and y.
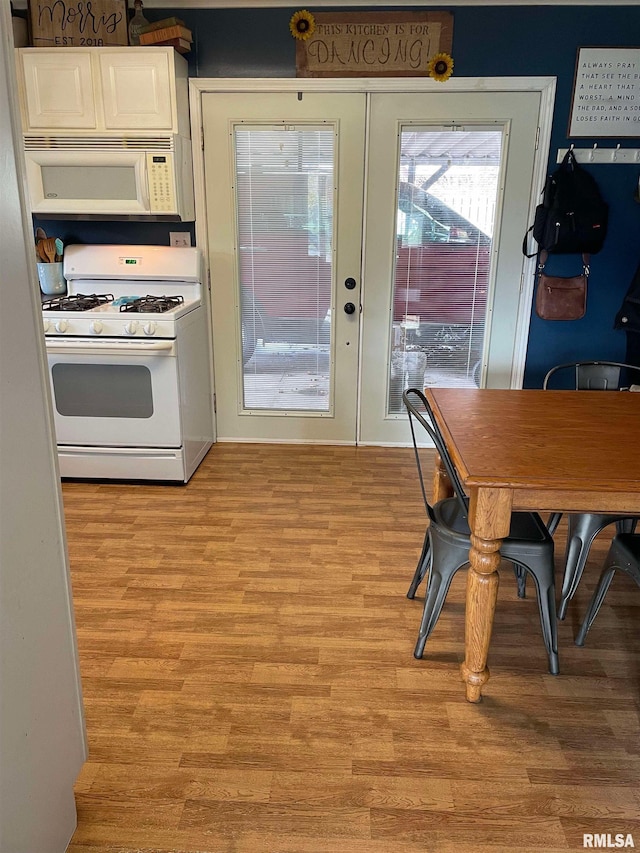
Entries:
{"x":246,"y":655}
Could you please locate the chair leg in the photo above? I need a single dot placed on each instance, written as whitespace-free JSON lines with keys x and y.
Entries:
{"x":422,"y":567}
{"x":437,"y":589}
{"x":521,"y":580}
{"x":598,"y":597}
{"x":547,"y":605}
{"x":553,"y":522}
{"x":583,"y":529}
{"x":547,"y":608}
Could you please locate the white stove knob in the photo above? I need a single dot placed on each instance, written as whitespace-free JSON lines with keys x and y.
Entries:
{"x":131,"y":328}
{"x":96,"y":327}
{"x":62,"y":326}
{"x":46,"y":325}
{"x":149,"y":328}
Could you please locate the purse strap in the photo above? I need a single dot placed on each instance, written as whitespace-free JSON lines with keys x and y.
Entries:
{"x":586,"y":260}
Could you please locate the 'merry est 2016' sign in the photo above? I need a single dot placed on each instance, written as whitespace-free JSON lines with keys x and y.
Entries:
{"x":397,"y":44}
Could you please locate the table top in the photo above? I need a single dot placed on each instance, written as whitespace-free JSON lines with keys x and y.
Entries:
{"x":585,"y":441}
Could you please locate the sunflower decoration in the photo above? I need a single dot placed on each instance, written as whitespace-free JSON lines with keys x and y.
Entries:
{"x":302,"y":25}
{"x":441,"y":67}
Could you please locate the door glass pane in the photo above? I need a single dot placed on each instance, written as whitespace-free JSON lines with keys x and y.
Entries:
{"x":447,"y":190}
{"x":284,"y":202}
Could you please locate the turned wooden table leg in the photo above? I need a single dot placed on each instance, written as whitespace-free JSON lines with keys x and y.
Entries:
{"x":489,"y":519}
{"x":441,"y":484}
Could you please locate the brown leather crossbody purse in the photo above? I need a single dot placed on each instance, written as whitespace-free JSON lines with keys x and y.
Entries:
{"x":561,"y":298}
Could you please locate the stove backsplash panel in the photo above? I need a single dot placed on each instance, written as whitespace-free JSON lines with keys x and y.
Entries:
{"x":97,"y":232}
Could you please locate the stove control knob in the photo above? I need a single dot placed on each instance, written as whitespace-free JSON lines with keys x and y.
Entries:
{"x":96,"y":327}
{"x":131,"y":328}
{"x":62,"y":326}
{"x":46,"y":325}
{"x":149,"y":328}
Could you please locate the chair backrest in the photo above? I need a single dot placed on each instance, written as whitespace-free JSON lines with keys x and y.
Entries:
{"x":593,"y":375}
{"x":420,"y":412}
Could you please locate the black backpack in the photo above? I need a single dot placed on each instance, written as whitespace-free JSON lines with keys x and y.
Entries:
{"x":573,"y":216}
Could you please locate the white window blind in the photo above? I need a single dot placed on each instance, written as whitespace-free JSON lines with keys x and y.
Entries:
{"x":447,"y":190}
{"x":284,"y":202}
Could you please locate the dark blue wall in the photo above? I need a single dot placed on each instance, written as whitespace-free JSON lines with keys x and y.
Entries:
{"x":487,"y":41}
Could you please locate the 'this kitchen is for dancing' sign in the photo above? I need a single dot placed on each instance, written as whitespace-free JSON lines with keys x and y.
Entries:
{"x":78,"y":23}
{"x":376,"y":44}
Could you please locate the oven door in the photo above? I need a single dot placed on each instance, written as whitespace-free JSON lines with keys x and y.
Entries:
{"x":115,"y":393}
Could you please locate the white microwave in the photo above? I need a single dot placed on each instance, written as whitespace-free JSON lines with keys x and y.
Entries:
{"x":110,"y":177}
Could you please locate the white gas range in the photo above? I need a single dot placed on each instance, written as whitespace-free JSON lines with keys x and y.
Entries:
{"x":129,"y":363}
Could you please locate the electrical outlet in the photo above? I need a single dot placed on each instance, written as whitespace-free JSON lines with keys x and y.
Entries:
{"x":181,"y":239}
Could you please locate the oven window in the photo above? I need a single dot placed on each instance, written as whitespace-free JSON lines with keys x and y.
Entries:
{"x":102,"y":390}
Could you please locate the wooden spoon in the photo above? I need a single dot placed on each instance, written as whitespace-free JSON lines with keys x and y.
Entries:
{"x":48,"y":248}
{"x":40,"y":252}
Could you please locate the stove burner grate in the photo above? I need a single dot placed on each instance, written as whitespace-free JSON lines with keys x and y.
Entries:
{"x":152,"y":304}
{"x":77,"y":302}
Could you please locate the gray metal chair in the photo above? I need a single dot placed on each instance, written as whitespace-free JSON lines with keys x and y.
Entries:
{"x":591,"y":375}
{"x":447,"y":541}
{"x":584,"y":527}
{"x":461,"y":505}
{"x":624,"y":555}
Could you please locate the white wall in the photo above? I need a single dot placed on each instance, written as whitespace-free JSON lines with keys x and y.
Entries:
{"x":42,"y":742}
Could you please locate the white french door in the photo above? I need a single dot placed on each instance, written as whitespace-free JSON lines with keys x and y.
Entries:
{"x":284,"y":187}
{"x":448,"y":188}
{"x":359,"y":243}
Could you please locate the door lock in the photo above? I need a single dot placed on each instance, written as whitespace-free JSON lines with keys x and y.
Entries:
{"x":350,"y":283}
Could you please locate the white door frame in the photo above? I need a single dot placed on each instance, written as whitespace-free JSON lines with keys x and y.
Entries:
{"x":546,"y":86}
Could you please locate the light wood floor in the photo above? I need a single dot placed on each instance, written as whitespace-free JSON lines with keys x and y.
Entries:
{"x":246,"y":655}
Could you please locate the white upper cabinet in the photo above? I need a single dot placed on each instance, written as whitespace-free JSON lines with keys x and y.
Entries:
{"x":136,"y":89}
{"x":103,"y":89}
{"x":59,"y":89}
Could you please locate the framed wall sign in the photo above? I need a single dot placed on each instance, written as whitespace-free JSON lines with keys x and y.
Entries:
{"x":374,"y":44}
{"x":606,"y":92}
{"x":78,"y":23}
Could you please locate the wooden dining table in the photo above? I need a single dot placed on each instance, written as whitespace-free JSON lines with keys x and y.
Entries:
{"x":530,"y":450}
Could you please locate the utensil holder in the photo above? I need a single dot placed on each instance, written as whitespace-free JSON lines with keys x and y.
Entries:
{"x":51,"y":279}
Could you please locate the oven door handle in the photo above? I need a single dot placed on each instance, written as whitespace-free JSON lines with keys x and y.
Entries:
{"x":82,"y":346}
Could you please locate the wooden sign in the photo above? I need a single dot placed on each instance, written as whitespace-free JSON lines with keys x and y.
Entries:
{"x":78,"y":23}
{"x":606,"y":92}
{"x":374,"y":44}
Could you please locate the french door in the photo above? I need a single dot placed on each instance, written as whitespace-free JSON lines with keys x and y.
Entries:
{"x":449,"y":182}
{"x":360,"y":243}
{"x":284,"y":187}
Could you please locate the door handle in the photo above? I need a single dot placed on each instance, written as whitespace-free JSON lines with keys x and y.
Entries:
{"x":349,"y":308}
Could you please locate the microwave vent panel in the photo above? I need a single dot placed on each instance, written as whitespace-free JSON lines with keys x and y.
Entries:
{"x":99,"y":143}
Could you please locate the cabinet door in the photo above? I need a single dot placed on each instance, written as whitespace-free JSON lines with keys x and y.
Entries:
{"x":59,"y":89}
{"x":137,"y":88}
